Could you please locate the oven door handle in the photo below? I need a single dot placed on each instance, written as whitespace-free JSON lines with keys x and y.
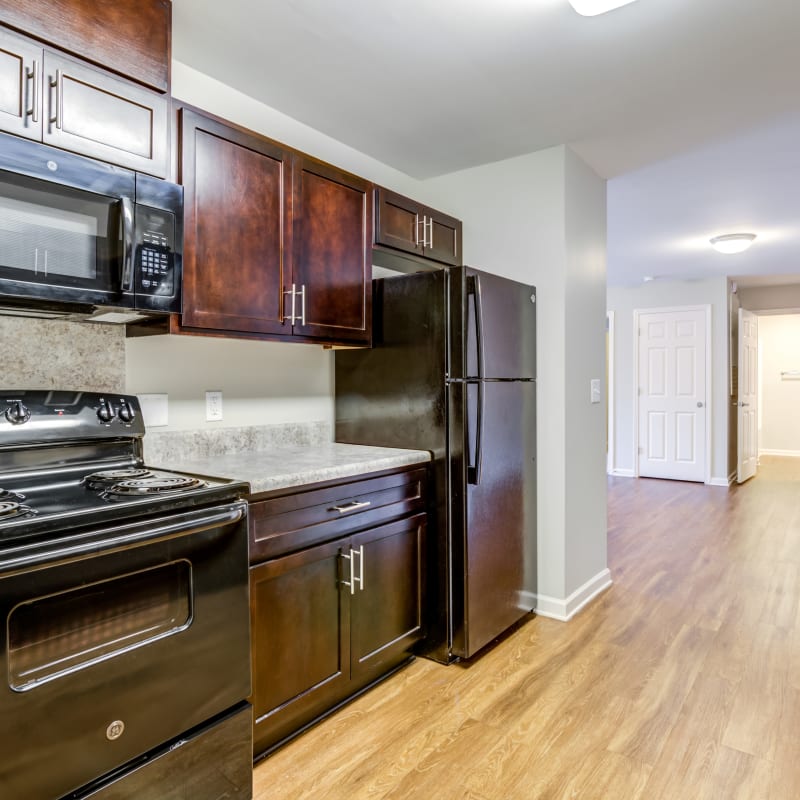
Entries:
{"x":120,"y":537}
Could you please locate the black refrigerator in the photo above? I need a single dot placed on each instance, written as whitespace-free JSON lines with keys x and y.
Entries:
{"x":453,"y":371}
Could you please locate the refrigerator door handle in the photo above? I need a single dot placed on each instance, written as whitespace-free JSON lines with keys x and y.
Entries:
{"x":474,"y":470}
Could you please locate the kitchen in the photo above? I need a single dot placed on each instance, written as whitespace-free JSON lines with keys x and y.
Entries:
{"x":277,"y":384}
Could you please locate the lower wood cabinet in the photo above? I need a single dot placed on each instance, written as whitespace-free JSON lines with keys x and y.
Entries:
{"x":330,"y":620}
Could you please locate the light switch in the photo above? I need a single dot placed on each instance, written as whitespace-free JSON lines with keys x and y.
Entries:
{"x":594,"y":390}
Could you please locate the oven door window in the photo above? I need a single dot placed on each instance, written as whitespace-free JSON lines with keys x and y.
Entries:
{"x":58,"y":634}
{"x":57,"y":235}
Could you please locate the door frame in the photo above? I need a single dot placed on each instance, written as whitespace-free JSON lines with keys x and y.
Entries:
{"x":637,"y":312}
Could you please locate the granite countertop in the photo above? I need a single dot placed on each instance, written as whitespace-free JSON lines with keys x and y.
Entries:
{"x":296,"y":465}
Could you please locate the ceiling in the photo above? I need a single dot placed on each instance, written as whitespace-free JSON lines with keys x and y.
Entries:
{"x":661,"y":96}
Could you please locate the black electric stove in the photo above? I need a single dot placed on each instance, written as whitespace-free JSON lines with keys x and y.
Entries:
{"x":125,"y":646}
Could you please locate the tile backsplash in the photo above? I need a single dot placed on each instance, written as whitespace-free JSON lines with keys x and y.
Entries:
{"x":54,"y":354}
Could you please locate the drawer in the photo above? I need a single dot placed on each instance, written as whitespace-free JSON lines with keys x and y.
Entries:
{"x":307,"y":516}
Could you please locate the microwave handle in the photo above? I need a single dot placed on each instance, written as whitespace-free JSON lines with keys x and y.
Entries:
{"x":127,"y":243}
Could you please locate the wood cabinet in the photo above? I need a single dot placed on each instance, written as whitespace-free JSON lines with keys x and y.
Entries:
{"x":331,"y":619}
{"x":131,"y":39}
{"x":50,"y":97}
{"x":405,"y":224}
{"x":275,"y":243}
{"x":236,"y":230}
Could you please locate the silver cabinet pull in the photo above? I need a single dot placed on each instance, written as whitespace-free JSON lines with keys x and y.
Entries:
{"x":57,"y":83}
{"x":303,"y":304}
{"x":351,"y":557}
{"x":352,"y":506}
{"x":430,"y":228}
{"x":416,"y":230}
{"x":32,"y":74}
{"x":293,"y":292}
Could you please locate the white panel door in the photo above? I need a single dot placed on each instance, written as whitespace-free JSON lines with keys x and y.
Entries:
{"x":747,"y":412}
{"x":672,"y":394}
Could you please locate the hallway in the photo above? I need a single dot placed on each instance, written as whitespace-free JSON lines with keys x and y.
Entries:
{"x":681,"y":681}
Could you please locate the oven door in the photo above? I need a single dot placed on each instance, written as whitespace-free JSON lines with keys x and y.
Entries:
{"x":117,"y":641}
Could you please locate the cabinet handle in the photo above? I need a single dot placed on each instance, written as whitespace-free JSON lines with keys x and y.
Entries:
{"x":57,"y":83}
{"x":353,"y":579}
{"x":303,"y":304}
{"x":32,"y":74}
{"x":430,"y":228}
{"x":352,"y":506}
{"x":292,"y":317}
{"x":416,"y":230}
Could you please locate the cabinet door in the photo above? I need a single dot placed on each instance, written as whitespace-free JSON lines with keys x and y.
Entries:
{"x":132,"y":39}
{"x":235,"y":227}
{"x":90,"y":112}
{"x":386,"y":608}
{"x":20,"y":86}
{"x":443,"y":237}
{"x":300,"y":633}
{"x":332,"y":217}
{"x":398,"y":222}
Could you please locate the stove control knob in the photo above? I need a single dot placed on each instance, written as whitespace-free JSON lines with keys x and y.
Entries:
{"x":106,"y":411}
{"x":126,"y":413}
{"x":17,"y":413}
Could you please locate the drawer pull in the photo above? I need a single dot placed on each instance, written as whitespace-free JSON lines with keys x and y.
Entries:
{"x":353,"y":506}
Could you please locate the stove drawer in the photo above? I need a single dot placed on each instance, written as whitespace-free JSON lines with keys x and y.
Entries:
{"x":290,"y":520}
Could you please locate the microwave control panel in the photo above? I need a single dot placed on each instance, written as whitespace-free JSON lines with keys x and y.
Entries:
{"x":155,"y":253}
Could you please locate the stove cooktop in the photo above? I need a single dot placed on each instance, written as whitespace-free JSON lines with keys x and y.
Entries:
{"x":39,"y":503}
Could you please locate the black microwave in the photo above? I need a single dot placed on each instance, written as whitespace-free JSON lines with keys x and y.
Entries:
{"x":83,"y":238}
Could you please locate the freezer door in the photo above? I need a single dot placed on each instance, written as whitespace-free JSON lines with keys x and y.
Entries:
{"x":493,"y":497}
{"x":498,"y":320}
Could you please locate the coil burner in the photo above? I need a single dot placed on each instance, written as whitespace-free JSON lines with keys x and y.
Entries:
{"x":12,"y":510}
{"x":102,"y":480}
{"x":147,"y":486}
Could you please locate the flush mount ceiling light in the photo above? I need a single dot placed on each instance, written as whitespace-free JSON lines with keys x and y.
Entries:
{"x":591,"y":8}
{"x":732,"y":242}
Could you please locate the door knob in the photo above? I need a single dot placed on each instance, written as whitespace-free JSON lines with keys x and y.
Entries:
{"x":743,"y":404}
{"x":699,"y":404}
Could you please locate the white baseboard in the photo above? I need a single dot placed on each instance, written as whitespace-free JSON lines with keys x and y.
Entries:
{"x":565,"y":610}
{"x":726,"y":482}
{"x":621,"y":473}
{"x":789,"y":453}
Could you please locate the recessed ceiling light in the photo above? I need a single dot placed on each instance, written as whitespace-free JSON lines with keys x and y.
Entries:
{"x":732,"y":242}
{"x":591,"y":8}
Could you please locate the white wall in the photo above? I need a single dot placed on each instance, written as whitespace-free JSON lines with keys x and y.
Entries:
{"x":663,"y":294}
{"x":585,"y":322}
{"x":779,"y":400}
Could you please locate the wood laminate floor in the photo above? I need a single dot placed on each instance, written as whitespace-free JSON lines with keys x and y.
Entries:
{"x":681,"y":682}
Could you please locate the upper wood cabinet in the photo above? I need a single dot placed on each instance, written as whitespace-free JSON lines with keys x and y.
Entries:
{"x":405,"y":224}
{"x":236,"y":231}
{"x":331,"y":267}
{"x":50,"y":97}
{"x":131,"y":39}
{"x":276,"y":243}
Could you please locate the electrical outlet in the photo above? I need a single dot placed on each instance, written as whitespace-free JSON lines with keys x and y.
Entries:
{"x":213,"y":406}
